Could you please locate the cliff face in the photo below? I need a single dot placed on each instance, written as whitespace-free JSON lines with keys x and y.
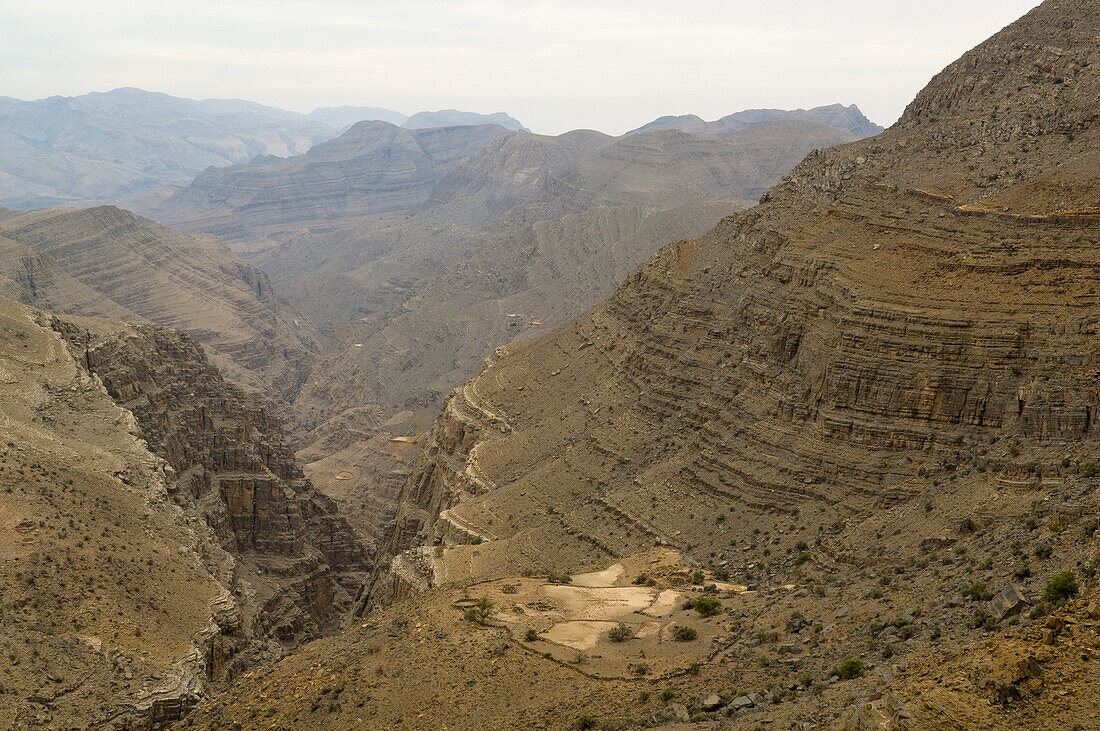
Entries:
{"x":893,"y":307}
{"x":233,"y":467}
{"x":118,"y":606}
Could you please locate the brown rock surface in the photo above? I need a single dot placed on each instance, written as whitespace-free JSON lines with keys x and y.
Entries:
{"x":108,"y":262}
{"x":851,"y":409}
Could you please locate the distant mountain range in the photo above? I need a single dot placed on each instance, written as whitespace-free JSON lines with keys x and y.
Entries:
{"x":103,"y":147}
{"x":837,"y":116}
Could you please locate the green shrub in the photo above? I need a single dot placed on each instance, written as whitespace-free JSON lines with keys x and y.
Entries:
{"x":1022,"y":573}
{"x":802,"y":558}
{"x":531,"y":636}
{"x":481,"y":611}
{"x":1092,"y":469}
{"x":585,"y":722}
{"x":1061,"y":588}
{"x":1044,"y":550}
{"x":697,"y":576}
{"x":684,"y":634}
{"x":559,"y":578}
{"x":620,"y":632}
{"x":977,"y":592}
{"x":850,"y":668}
{"x":707,"y":606}
{"x":983,"y":620}
{"x":1091,"y":526}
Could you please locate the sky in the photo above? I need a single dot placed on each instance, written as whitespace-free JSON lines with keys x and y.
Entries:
{"x":555,"y":65}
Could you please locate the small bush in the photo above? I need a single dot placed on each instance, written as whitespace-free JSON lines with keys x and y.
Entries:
{"x":1022,"y":573}
{"x":1044,"y":550}
{"x":531,"y":636}
{"x":1092,"y":469}
{"x":1061,"y":588}
{"x":585,"y":722}
{"x":481,"y":611}
{"x":620,"y":633}
{"x":559,"y":578}
{"x":983,"y":620}
{"x":438,"y":551}
{"x":802,"y":558}
{"x":968,"y":525}
{"x":849,"y":669}
{"x":1091,"y":526}
{"x":977,"y":592}
{"x":697,"y":576}
{"x":684,"y":634}
{"x":707,"y":606}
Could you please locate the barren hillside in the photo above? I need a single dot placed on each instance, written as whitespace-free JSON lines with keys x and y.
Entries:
{"x":158,"y":536}
{"x":862,"y":411}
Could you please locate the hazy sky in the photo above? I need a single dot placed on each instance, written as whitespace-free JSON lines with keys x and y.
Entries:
{"x":553,"y":64}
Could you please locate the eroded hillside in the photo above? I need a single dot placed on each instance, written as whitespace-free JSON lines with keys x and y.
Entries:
{"x":159,"y":537}
{"x":110,"y":263}
{"x":516,"y":239}
{"x":864,"y":411}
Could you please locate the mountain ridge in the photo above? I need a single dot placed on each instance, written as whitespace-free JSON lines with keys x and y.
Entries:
{"x":847,"y":119}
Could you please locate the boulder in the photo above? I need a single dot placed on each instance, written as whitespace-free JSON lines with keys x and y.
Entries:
{"x":742,"y":701}
{"x":672,"y":713}
{"x":709,"y":702}
{"x":1008,"y":602}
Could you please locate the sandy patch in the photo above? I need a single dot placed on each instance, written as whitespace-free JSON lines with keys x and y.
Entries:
{"x":607,"y":577}
{"x":665,"y":603}
{"x":580,"y":635}
{"x":595,"y":603}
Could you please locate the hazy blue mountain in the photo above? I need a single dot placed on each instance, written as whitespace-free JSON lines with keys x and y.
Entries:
{"x":837,"y":116}
{"x":107,"y":147}
{"x":455,"y":118}
{"x":343,"y":118}
{"x":104,"y":146}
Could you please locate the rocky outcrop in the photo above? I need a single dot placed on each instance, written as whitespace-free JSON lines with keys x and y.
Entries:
{"x":230,"y":464}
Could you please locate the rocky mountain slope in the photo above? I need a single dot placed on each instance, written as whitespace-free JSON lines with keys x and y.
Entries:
{"x":373,"y":168}
{"x":110,"y":263}
{"x":516,"y":239}
{"x":837,"y":116}
{"x":129,"y":146}
{"x":862,"y":412}
{"x":148,"y":555}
